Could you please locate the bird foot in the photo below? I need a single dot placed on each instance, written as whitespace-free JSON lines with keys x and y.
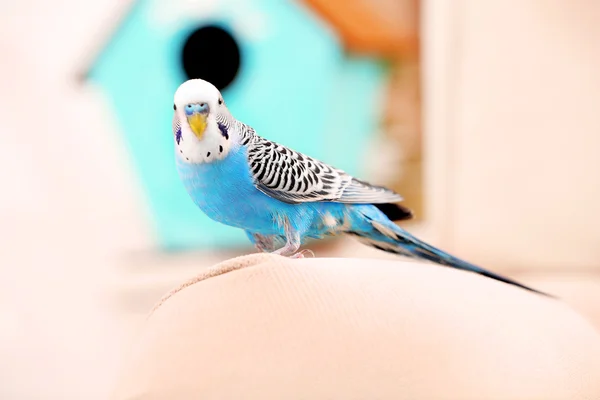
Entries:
{"x":301,"y":254}
{"x":263,"y":243}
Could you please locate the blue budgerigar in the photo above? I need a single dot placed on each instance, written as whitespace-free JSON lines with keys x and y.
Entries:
{"x":278,"y":196}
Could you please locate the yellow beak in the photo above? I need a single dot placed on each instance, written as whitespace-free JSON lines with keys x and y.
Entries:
{"x":198,"y":124}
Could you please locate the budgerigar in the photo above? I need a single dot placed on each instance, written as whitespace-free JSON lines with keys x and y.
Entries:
{"x":281,"y":197}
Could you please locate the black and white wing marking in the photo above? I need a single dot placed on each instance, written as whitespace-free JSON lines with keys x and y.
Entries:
{"x":293,"y":177}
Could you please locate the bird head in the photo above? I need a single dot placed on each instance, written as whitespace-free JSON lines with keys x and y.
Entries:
{"x":199,"y":120}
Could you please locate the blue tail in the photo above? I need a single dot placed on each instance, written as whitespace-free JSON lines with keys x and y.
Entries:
{"x":387,"y":236}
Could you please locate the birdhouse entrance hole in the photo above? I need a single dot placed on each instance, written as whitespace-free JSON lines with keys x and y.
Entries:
{"x":211,"y":53}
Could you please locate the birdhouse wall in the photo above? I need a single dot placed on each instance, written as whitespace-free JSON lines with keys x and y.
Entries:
{"x":296,"y":85}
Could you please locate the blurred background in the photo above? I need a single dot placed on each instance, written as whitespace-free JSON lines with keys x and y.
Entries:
{"x":483,"y":114}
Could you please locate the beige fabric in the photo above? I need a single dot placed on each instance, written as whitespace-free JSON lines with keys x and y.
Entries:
{"x":266,"y":327}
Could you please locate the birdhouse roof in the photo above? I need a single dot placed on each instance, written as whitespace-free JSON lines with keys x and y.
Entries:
{"x":364,"y":30}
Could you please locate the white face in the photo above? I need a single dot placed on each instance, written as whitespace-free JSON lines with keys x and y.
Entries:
{"x":199,"y":138}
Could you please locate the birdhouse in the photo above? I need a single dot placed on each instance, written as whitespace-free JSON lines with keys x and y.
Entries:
{"x":307,"y":74}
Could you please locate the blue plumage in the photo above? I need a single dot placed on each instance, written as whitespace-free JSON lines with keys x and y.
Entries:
{"x":280,"y":197}
{"x":225,"y":191}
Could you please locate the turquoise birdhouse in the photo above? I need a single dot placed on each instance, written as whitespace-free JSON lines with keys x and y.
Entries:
{"x":282,"y":66}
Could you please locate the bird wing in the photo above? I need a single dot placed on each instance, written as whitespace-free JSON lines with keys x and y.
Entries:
{"x":293,"y":177}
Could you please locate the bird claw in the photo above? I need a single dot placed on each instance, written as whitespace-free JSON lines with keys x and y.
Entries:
{"x":301,"y":254}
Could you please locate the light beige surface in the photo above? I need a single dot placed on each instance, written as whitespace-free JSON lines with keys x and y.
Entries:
{"x":71,"y":212}
{"x":511,"y":119}
{"x":266,"y":327}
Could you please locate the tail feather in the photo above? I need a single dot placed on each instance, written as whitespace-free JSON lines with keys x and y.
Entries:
{"x":392,"y":239}
{"x":430,"y":253}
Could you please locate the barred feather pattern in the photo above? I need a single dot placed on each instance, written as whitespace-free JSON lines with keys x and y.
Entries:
{"x":245,"y":133}
{"x":293,"y":177}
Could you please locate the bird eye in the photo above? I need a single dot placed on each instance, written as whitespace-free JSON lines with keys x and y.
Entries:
{"x":220,"y":101}
{"x":174,"y":107}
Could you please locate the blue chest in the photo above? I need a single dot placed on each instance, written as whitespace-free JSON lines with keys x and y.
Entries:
{"x":225,"y":192}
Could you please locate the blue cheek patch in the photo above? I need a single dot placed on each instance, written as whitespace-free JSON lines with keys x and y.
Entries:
{"x":178,"y":136}
{"x":223,"y":130}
